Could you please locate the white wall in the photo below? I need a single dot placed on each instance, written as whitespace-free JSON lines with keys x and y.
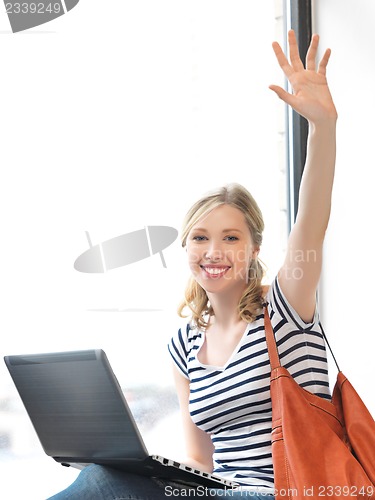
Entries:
{"x":349,"y":270}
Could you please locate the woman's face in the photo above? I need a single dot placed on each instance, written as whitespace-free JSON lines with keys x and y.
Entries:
{"x":220,"y":249}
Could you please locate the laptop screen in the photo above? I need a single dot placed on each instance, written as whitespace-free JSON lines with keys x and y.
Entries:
{"x":76,"y":405}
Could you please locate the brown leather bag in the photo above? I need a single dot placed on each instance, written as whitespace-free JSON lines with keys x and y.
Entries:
{"x":319,"y":448}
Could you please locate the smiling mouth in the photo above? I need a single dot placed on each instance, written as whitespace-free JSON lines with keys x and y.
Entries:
{"x":215,"y":272}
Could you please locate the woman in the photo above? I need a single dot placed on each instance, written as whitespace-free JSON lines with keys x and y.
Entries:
{"x":221,"y":364}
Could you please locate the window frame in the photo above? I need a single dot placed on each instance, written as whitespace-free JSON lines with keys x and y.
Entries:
{"x":298,"y":16}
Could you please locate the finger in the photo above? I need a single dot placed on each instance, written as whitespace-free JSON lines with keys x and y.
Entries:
{"x":311,"y":53}
{"x":282,"y":60}
{"x":324,"y":61}
{"x":294,"y":52}
{"x":283,"y":94}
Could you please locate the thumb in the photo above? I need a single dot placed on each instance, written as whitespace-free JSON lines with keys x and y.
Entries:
{"x":283,"y":94}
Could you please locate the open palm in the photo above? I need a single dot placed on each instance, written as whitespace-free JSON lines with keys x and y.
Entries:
{"x":311,"y":97}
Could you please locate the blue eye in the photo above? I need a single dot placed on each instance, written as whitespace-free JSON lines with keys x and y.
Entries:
{"x":199,"y":238}
{"x":231,"y":238}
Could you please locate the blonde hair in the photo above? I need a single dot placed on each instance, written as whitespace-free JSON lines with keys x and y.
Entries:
{"x":251,"y":301}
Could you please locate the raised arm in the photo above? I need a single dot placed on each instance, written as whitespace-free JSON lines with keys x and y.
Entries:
{"x":311,"y":98}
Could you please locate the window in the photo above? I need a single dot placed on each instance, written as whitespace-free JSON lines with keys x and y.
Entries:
{"x":129,"y":117}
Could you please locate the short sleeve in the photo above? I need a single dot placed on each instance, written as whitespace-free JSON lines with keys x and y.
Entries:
{"x":178,"y":349}
{"x":300,"y":344}
{"x":280,"y":307}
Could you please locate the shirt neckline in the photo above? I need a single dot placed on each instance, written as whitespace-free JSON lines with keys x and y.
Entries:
{"x":232,"y":355}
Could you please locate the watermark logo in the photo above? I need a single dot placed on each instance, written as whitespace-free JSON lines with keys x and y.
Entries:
{"x":126,"y":249}
{"x":24,"y":15}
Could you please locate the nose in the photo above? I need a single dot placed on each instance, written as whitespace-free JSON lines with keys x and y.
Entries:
{"x":214,"y":252}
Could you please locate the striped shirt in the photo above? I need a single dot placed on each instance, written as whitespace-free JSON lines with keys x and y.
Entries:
{"x":233,"y":404}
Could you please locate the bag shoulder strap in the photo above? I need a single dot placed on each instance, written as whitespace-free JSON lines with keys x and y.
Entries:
{"x":270,"y":339}
{"x":272,"y":346}
{"x":329,"y":347}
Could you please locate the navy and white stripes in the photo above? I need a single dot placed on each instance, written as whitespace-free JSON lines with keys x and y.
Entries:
{"x":233,"y":402}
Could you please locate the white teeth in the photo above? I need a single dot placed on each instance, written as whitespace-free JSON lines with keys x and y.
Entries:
{"x":215,"y":270}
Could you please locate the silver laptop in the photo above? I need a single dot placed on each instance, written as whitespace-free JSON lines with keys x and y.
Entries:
{"x":81,"y":416}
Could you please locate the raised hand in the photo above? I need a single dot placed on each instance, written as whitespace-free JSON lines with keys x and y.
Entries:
{"x":311,"y":97}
